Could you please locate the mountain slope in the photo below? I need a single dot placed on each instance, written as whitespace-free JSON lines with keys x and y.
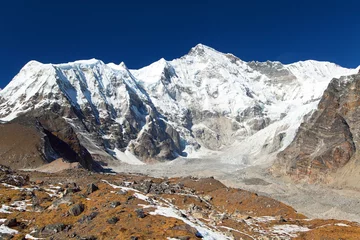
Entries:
{"x":101,"y":103}
{"x":218,"y":100}
{"x":204,"y":101}
{"x":326,"y":145}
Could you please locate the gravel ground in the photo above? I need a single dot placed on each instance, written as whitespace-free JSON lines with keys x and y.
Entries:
{"x":314,"y":201}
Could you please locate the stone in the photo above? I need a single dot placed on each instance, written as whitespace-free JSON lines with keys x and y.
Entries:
{"x":53,"y":228}
{"x":282,"y":219}
{"x":207,"y":198}
{"x":91,"y":188}
{"x":11,"y":223}
{"x":198,"y":235}
{"x":140,"y":213}
{"x":88,"y":218}
{"x":112,"y":220}
{"x":115,"y":204}
{"x":122,"y":192}
{"x":76,"y":209}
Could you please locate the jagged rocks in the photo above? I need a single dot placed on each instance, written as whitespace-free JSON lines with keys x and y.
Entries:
{"x":8,"y":176}
{"x":148,"y":186}
{"x":54,"y":228}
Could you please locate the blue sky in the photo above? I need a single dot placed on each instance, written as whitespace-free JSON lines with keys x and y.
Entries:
{"x":141,"y":32}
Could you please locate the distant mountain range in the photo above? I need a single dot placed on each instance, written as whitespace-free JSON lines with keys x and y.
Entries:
{"x":204,"y":102}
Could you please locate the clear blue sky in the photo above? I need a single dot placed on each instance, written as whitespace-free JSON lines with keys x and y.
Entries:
{"x":140,"y":32}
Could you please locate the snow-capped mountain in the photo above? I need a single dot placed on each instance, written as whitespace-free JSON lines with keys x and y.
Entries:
{"x":222,"y":101}
{"x":205,"y":100}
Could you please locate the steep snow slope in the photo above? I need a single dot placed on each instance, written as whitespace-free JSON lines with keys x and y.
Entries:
{"x":204,"y":102}
{"x":255,"y":106}
{"x":103,"y":103}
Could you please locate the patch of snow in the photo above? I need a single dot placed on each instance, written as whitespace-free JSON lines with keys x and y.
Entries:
{"x":11,"y":186}
{"x":5,"y":209}
{"x":208,"y":234}
{"x":121,"y":187}
{"x":289,"y":230}
{"x":28,"y":236}
{"x":341,"y":225}
{"x":20,"y":205}
{"x":51,"y":192}
{"x":264,"y":219}
{"x":7,"y":230}
{"x":127,"y":157}
{"x":141,"y":196}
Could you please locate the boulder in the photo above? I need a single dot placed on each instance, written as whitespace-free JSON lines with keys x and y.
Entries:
{"x":76,"y":209}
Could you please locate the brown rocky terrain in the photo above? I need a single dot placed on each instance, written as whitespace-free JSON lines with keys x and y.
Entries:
{"x":33,"y":140}
{"x":325,"y":148}
{"x":77,"y":204}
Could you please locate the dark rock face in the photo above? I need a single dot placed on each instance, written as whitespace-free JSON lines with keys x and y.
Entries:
{"x":41,"y":137}
{"x":64,"y":140}
{"x":21,"y":146}
{"x":328,"y":140}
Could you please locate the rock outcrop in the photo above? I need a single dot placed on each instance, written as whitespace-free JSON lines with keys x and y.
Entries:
{"x":35,"y":139}
{"x":327,"y":142}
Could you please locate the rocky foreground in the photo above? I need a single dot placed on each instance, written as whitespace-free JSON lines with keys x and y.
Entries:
{"x":77,"y":204}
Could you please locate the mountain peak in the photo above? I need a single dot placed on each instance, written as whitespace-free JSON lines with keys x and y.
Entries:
{"x":202,"y":46}
{"x":88,"y":63}
{"x":32,"y":64}
{"x":201,"y":49}
{"x":122,"y":64}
